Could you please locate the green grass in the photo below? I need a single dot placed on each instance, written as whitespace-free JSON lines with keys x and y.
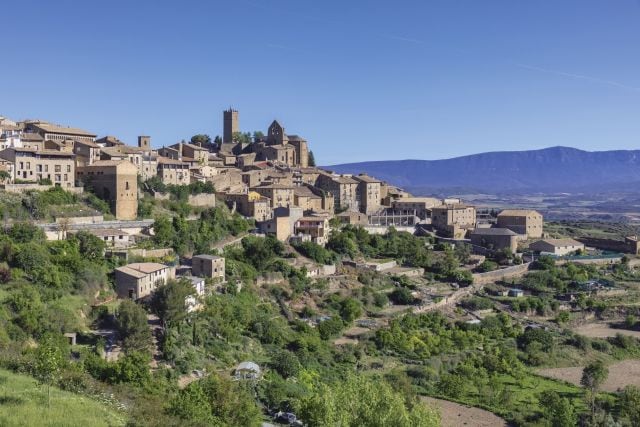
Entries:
{"x":24,"y":403}
{"x":522,"y":403}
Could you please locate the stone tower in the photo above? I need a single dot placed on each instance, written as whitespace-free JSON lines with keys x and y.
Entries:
{"x":144,"y":142}
{"x":231,"y":125}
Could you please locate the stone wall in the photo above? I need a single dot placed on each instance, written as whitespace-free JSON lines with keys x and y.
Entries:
{"x":203,"y":200}
{"x":21,"y":188}
{"x":503,"y":274}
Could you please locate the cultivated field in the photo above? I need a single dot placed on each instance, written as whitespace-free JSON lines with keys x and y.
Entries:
{"x":621,"y":374}
{"x":455,"y":415}
{"x":602,"y":330}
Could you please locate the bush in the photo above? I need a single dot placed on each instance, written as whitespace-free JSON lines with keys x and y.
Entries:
{"x":402,"y":296}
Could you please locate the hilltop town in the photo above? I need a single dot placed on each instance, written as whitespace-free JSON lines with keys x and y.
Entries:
{"x":234,"y":269}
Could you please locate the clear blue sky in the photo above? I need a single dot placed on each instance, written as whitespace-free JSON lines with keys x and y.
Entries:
{"x":361,"y":80}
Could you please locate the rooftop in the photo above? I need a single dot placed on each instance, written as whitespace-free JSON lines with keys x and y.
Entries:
{"x":493,"y":232}
{"x":560,"y":242}
{"x":141,"y":269}
{"x":517,"y":212}
{"x":50,"y":128}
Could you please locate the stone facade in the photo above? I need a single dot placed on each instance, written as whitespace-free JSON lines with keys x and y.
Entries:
{"x":116,"y":182}
{"x":231,"y":124}
{"x":210,"y":266}
{"x":368,"y":194}
{"x":453,"y":220}
{"x":139,"y":280}
{"x":32,"y":165}
{"x":495,"y":239}
{"x":521,"y":221}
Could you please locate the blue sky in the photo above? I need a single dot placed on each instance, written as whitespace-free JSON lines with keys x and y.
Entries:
{"x":361,"y":80}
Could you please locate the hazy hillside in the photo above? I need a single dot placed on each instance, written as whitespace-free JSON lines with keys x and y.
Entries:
{"x":549,"y":169}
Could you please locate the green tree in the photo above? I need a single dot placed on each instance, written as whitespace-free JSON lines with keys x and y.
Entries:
{"x":312,"y":159}
{"x":216,"y":401}
{"x":630,"y":404}
{"x":133,"y":327}
{"x":350,"y":309}
{"x":593,"y":375}
{"x":286,"y":364}
{"x":361,"y":401}
{"x":49,"y":360}
{"x":557,"y":410}
{"x":168,"y":301}
{"x":91,"y":247}
{"x":451,"y":385}
{"x":201,"y":139}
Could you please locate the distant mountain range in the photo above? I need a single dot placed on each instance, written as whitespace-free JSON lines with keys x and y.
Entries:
{"x":555,"y":169}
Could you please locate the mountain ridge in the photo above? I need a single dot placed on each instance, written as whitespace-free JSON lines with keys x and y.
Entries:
{"x":550,"y":169}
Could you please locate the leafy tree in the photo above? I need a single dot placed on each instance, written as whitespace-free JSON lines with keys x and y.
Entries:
{"x":544,"y":262}
{"x":402,"y":296}
{"x":487,"y":265}
{"x":362,"y":401}
{"x":630,"y":404}
{"x":133,"y":327}
{"x":168,"y":301}
{"x":286,"y":364}
{"x":330,"y":328}
{"x":201,"y":139}
{"x":350,"y":309}
{"x":593,"y":375}
{"x":312,"y":159}
{"x":462,"y":251}
{"x":216,"y":401}
{"x":451,"y":385}
{"x":243,"y":138}
{"x":558,"y":410}
{"x":49,"y":360}
{"x":91,"y":247}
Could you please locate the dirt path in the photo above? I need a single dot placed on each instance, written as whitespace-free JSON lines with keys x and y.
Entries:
{"x":455,"y":415}
{"x":621,"y":374}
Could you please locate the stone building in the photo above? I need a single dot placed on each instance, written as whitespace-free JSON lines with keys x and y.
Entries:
{"x":87,"y":152}
{"x":367,"y":193}
{"x":52,"y":132}
{"x":558,"y":247}
{"x":420,"y":206}
{"x":280,"y":195}
{"x":453,"y":220}
{"x":315,"y":226}
{"x":250,"y":204}
{"x":33,"y":165}
{"x":522,"y":221}
{"x":231,"y":124}
{"x":138,"y":280}
{"x":311,"y":199}
{"x":495,"y":239}
{"x":210,"y":266}
{"x":173,"y":172}
{"x":116,"y":182}
{"x":343,"y":188}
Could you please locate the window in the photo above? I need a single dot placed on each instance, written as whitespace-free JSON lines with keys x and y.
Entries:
{"x":57,"y":177}
{"x":68,"y":168}
{"x":46,"y":168}
{"x":58,"y":168}
{"x":127,"y":185}
{"x":66,"y":177}
{"x":28,"y":165}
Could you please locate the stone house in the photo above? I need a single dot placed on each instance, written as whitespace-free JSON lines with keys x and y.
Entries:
{"x":315,"y":226}
{"x":280,"y":195}
{"x":522,"y":221}
{"x":453,"y":220}
{"x":342,"y":188}
{"x":210,"y":266}
{"x":495,"y":239}
{"x":138,"y":280}
{"x":558,"y":247}
{"x":419,"y":206}
{"x":30,"y":164}
{"x":250,"y":204}
{"x":116,"y":182}
{"x":368,"y":193}
{"x":173,"y":172}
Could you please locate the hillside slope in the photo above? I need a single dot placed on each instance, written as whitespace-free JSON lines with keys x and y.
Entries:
{"x":548,"y":170}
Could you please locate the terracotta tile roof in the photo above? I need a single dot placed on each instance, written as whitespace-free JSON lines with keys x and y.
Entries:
{"x":50,"y":128}
{"x":517,"y":212}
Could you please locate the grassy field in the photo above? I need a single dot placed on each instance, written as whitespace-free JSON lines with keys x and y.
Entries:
{"x":24,"y":403}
